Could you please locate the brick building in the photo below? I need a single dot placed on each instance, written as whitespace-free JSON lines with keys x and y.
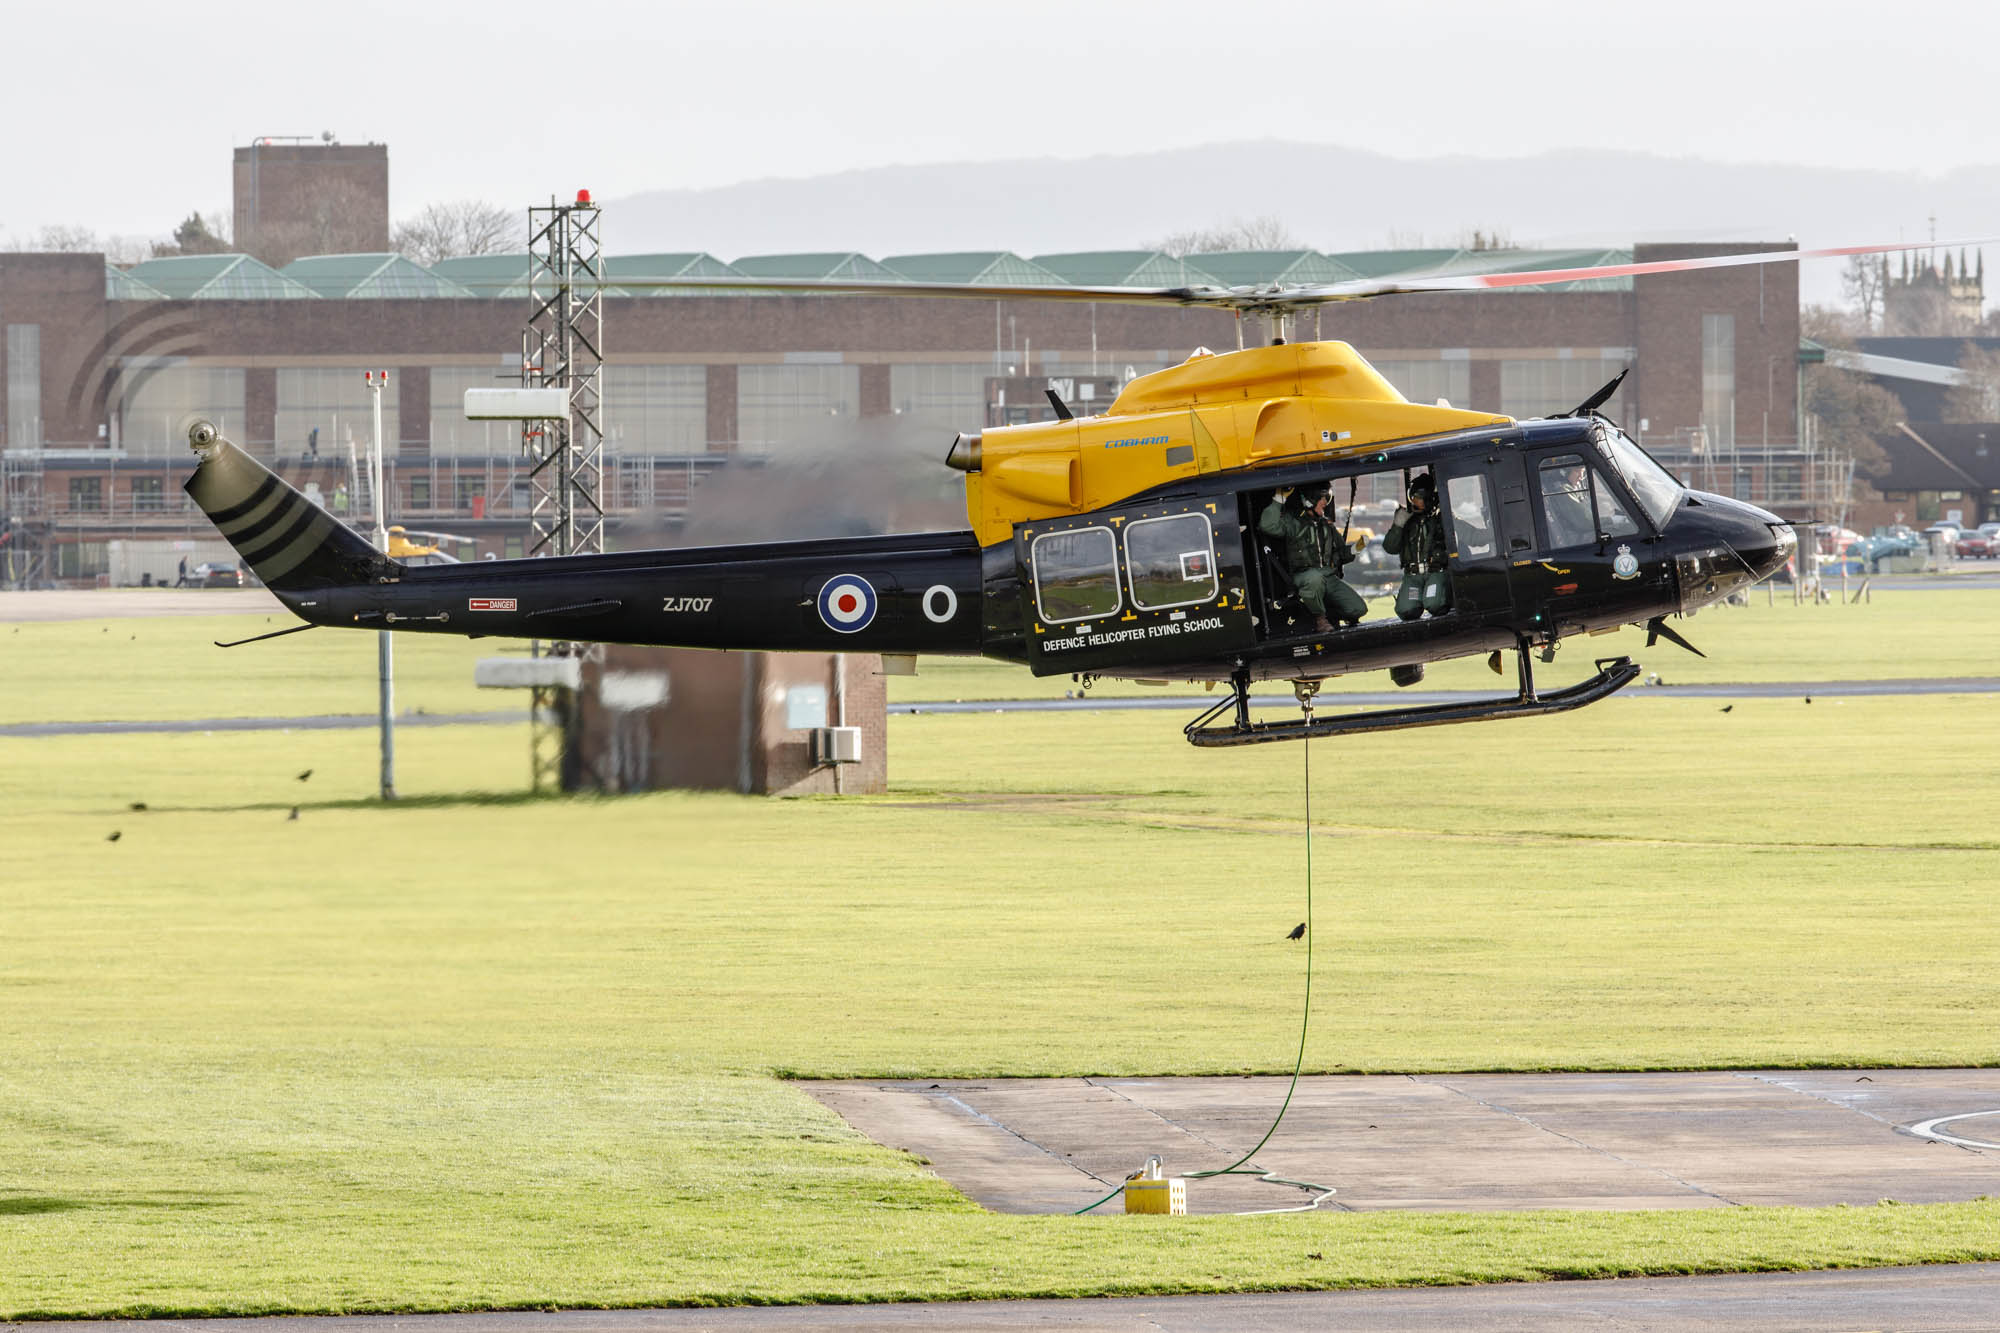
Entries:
{"x":103,"y":366}
{"x":300,"y":198}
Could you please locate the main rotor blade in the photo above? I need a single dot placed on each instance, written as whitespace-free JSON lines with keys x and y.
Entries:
{"x":965,"y":290}
{"x":1267,"y":297}
{"x":1541,"y":277}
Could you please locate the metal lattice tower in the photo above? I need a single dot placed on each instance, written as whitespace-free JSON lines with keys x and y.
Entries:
{"x":563,"y":348}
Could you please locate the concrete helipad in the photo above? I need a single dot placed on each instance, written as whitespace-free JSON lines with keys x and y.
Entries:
{"x":1457,"y":1141}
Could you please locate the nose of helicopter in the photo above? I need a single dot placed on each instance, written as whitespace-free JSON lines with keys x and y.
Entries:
{"x":1762,"y":539}
{"x":1732,"y":545}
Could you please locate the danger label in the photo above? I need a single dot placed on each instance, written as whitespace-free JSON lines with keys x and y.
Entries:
{"x":492,"y":604}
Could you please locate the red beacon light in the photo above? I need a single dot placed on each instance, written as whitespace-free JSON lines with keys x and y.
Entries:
{"x":583,"y":197}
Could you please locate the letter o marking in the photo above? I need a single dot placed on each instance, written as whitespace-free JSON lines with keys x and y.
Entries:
{"x":932,"y":595}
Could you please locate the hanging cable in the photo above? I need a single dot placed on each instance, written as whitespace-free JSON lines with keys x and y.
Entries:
{"x":1306,"y":690}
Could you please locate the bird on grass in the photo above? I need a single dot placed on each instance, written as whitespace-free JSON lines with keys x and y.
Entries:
{"x":303,"y":776}
{"x":1808,"y":698}
{"x":1727,"y":707}
{"x":138,"y":805}
{"x":1298,"y":932}
{"x":116,"y":834}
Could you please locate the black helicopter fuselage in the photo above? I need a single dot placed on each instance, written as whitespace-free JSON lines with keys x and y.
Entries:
{"x":1555,"y":527}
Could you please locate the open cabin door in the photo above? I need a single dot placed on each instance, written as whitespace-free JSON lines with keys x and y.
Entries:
{"x":1134,"y":591}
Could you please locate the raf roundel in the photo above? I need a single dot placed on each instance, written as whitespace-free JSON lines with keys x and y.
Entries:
{"x":847,"y":603}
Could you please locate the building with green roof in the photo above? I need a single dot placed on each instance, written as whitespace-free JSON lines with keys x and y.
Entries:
{"x":1127,"y":268}
{"x":817,"y":267}
{"x":122,"y":286}
{"x":219,"y":278}
{"x":372,"y":276}
{"x":1395,"y":263}
{"x":660,"y":267}
{"x":1525,"y":261}
{"x":1256,"y":268}
{"x":499,"y":277}
{"x":999,"y":268}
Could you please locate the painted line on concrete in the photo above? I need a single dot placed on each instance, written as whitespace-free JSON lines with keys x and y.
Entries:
{"x":1929,"y":1130}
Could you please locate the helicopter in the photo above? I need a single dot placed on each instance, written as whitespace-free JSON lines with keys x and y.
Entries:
{"x":1132,"y":543}
{"x":417,"y":546}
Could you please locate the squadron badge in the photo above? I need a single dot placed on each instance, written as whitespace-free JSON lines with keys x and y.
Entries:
{"x":1625,"y":565}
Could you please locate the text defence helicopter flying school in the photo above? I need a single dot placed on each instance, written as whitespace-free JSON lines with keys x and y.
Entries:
{"x":1138,"y":543}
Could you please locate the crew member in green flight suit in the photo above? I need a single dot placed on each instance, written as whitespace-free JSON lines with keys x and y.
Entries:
{"x":1315,"y":552}
{"x":1417,"y":535}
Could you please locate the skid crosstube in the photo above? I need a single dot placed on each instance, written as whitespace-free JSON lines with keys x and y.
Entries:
{"x":1612,"y":675}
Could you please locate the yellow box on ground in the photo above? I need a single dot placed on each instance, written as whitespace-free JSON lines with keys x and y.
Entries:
{"x":1156,"y":1196}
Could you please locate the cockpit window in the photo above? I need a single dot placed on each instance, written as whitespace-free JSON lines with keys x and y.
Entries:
{"x":1578,"y":506}
{"x":1657,"y":491}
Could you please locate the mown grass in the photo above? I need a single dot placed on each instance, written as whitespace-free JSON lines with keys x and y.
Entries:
{"x":167,"y":667}
{"x":486,"y":1050}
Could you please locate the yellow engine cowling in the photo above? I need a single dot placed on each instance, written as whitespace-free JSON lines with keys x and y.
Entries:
{"x":1209,"y":414}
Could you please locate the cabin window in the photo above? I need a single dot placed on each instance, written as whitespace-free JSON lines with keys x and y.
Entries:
{"x":1578,"y":506}
{"x":1076,"y":574}
{"x":1170,"y":561}
{"x":1471,"y":517}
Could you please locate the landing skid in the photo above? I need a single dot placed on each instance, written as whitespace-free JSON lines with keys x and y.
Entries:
{"x":1613,"y":674}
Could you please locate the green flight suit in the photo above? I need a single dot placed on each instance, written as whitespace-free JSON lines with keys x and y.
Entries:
{"x":1419,"y":539}
{"x":1315,"y":554}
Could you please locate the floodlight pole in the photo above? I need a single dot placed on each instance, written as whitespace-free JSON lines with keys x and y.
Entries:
{"x":385,"y":654}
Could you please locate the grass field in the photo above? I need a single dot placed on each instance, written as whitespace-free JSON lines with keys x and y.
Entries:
{"x":483,"y":1050}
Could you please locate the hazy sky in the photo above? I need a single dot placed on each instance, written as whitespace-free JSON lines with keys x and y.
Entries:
{"x":124,"y":114}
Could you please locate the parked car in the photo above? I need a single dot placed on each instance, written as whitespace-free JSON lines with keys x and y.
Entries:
{"x":1973,"y":546}
{"x":217,"y":574}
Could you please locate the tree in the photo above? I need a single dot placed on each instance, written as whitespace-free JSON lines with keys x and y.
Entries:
{"x":1978,"y":399}
{"x":1259,"y":233}
{"x":197,"y":235}
{"x":1850,"y":408}
{"x":468,"y":227}
{"x":63,"y":239}
{"x":1862,"y":282}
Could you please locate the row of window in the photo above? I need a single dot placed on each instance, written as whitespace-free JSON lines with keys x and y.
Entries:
{"x":1169,"y":563}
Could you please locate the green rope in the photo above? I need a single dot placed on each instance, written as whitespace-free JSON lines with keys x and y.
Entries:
{"x":1237,"y":1168}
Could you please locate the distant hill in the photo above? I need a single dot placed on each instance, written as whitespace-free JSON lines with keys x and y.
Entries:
{"x":1332,"y":198}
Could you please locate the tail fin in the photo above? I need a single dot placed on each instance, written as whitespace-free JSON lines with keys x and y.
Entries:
{"x":292,"y":544}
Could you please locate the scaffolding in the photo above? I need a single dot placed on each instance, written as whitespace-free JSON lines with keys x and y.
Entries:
{"x":563,"y":348}
{"x":24,"y":525}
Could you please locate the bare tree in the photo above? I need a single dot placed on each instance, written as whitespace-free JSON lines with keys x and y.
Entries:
{"x":1978,"y":399}
{"x":1852,"y":409}
{"x":64,"y":239}
{"x":1863,"y":282}
{"x":468,"y":227}
{"x":1259,"y":233}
